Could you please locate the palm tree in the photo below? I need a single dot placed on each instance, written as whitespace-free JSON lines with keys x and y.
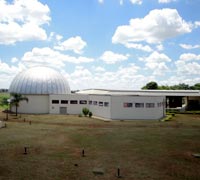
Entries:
{"x":16,"y":98}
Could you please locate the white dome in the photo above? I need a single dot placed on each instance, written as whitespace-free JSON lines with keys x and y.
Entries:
{"x":39,"y":80}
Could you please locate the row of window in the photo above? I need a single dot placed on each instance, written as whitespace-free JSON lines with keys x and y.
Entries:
{"x":99,"y":103}
{"x":141,"y":105}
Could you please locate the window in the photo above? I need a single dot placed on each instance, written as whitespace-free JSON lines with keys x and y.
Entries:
{"x":150,"y":105}
{"x":106,"y":104}
{"x":159,"y":104}
{"x":128,"y":105}
{"x":100,"y":103}
{"x":55,"y":101}
{"x":94,"y":102}
{"x":139,"y":105}
{"x":82,"y":102}
{"x":64,"y":101}
{"x":90,"y":102}
{"x":73,"y":102}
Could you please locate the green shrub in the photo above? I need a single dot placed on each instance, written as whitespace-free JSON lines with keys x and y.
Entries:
{"x":90,"y":114}
{"x":85,"y":111}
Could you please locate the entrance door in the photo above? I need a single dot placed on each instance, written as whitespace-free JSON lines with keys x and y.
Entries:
{"x":63,"y":110}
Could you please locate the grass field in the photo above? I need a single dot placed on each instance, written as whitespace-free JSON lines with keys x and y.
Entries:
{"x":143,"y":150}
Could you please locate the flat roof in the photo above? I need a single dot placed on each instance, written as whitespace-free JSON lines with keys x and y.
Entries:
{"x":140,"y":92}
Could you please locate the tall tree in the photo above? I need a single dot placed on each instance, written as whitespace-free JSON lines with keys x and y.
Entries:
{"x":16,"y":99}
{"x":151,"y":85}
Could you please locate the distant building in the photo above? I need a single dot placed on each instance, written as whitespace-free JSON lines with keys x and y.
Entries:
{"x":49,"y":92}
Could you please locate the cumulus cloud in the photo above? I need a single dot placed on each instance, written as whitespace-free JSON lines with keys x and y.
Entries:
{"x":138,"y":46}
{"x":189,"y":46}
{"x":7,"y":73}
{"x":136,"y":1}
{"x":122,"y":78}
{"x":155,"y":27}
{"x":189,"y":57}
{"x":188,"y":64}
{"x":166,"y":1}
{"x":75,"y":44}
{"x":22,"y":21}
{"x":49,"y":57}
{"x":187,"y":68}
{"x":156,"y":62}
{"x":110,"y":57}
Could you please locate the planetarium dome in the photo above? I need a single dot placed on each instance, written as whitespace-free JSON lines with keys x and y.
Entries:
{"x":39,"y":80}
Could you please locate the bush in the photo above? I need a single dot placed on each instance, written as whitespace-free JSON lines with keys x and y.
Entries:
{"x":90,"y":114}
{"x":85,"y":111}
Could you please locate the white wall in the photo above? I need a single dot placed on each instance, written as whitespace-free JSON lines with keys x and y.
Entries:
{"x":37,"y":104}
{"x":100,"y":110}
{"x":118,"y":111}
{"x":71,"y":108}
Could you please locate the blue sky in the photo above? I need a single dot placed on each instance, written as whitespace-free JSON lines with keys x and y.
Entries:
{"x":112,"y":44}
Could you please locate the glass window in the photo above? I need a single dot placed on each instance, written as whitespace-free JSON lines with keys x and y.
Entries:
{"x":100,"y":103}
{"x":139,"y":105}
{"x":128,"y":105}
{"x":106,"y":104}
{"x":73,"y":102}
{"x":95,"y":102}
{"x":150,"y":105}
{"x":64,"y":101}
{"x":55,"y":101}
{"x":159,"y":104}
{"x":90,"y":102}
{"x":82,"y":102}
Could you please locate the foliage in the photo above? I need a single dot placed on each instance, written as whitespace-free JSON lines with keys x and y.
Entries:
{"x":85,"y":111}
{"x":151,"y":85}
{"x":16,"y":98}
{"x":181,"y":86}
{"x":90,"y":114}
{"x":3,"y":100}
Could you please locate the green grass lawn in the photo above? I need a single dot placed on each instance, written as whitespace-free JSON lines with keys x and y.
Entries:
{"x":143,"y":150}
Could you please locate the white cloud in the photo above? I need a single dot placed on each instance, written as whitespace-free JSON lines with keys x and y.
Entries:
{"x":166,"y":1}
{"x":14,"y":60}
{"x":75,"y":44}
{"x":157,"y":62}
{"x":160,"y":47}
{"x":188,"y":46}
{"x":184,"y":68}
{"x":110,"y":57}
{"x":101,"y":1}
{"x":136,"y":1}
{"x":122,"y":78}
{"x":189,"y":57}
{"x":49,"y":57}
{"x":7,"y":73}
{"x":155,"y":27}
{"x":22,"y":20}
{"x":99,"y":69}
{"x":138,"y":46}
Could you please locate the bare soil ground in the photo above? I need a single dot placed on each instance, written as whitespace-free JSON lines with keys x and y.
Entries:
{"x":142,"y":150}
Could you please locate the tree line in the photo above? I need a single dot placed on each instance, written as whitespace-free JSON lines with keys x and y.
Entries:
{"x":181,"y":86}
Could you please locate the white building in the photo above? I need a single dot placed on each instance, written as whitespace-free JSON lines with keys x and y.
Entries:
{"x":49,"y":92}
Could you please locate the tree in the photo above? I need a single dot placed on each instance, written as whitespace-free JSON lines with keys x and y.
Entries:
{"x":196,"y":86}
{"x":16,"y":99}
{"x":151,"y":85}
{"x":85,"y":111}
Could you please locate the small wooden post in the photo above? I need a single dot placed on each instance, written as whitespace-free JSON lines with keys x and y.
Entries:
{"x":30,"y":122}
{"x":83,"y":153}
{"x":25,"y":150}
{"x":118,"y":173}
